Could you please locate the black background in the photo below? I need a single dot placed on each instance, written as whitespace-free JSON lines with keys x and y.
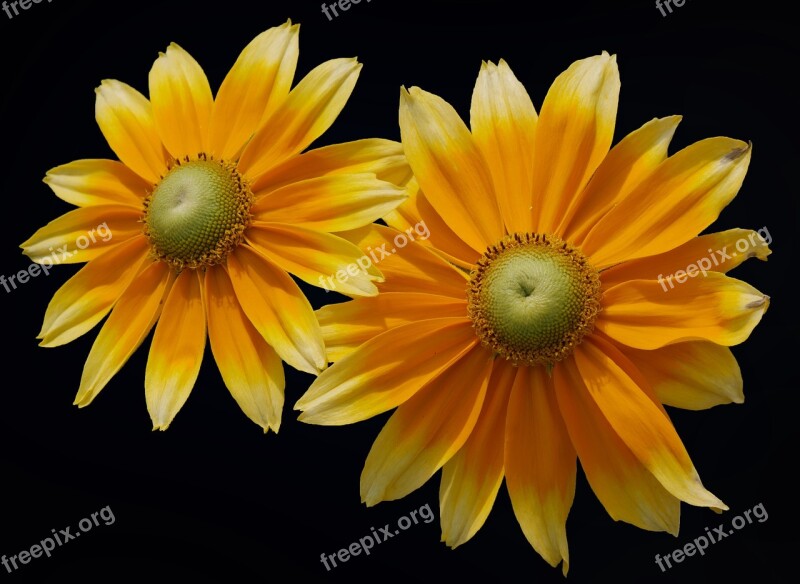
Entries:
{"x":215,"y":499}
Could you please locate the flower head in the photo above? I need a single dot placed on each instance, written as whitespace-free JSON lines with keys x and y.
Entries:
{"x":533,"y":329}
{"x":210,"y":207}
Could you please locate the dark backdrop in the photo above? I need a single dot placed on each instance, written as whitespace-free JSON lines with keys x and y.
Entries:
{"x":213,"y":498}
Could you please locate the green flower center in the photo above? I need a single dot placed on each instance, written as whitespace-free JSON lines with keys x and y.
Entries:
{"x":197,"y":213}
{"x":532,"y":298}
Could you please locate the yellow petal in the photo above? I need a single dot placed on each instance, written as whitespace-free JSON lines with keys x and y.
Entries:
{"x":97,"y":182}
{"x":714,"y":252}
{"x":256,"y":85}
{"x":540,"y":464}
{"x":277,"y":309}
{"x":321,"y":259}
{"x":503,"y":122}
{"x":412,"y":269}
{"x":330,"y":203}
{"x":575,"y":130}
{"x":250,"y":368}
{"x":386,"y":371}
{"x":182,"y":102}
{"x":677,"y":201}
{"x":647,"y":314}
{"x":627,"y":490}
{"x":623,"y":169}
{"x":694,"y":375}
{"x":83,"y":234}
{"x":126,"y":328}
{"x":310,"y":109}
{"x":449,"y":167}
{"x":88,"y":296}
{"x":176,"y":352}
{"x":472,"y":477}
{"x":415,"y":216}
{"x":383,"y":158}
{"x":637,"y":419}
{"x":426,"y":430}
{"x":347,"y":325}
{"x":126,"y":120}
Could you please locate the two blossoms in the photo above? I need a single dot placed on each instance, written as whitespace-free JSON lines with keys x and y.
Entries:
{"x":523,"y":334}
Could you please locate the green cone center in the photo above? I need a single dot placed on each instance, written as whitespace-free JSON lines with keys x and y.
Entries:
{"x":197,"y":213}
{"x":532,"y":298}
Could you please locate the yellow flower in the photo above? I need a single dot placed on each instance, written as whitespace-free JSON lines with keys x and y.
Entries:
{"x":530,"y":329}
{"x":199,"y":224}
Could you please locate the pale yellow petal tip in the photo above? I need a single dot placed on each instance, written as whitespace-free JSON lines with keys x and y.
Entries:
{"x":564,"y":568}
{"x":161,"y":427}
{"x":759,"y":303}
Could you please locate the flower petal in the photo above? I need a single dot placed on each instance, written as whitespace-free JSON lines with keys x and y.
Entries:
{"x":251,"y":369}
{"x":176,"y":352}
{"x":383,"y":158}
{"x":417,"y":217}
{"x":347,"y":325}
{"x":316,"y":257}
{"x":575,"y":130}
{"x":449,"y":167}
{"x":330,"y":203}
{"x":627,"y":490}
{"x":503,"y":122}
{"x":646,"y":314}
{"x":426,"y":430}
{"x":257,"y":84}
{"x":182,"y":102}
{"x":126,"y":120}
{"x":83,"y":234}
{"x":695,"y":375}
{"x":310,"y":109}
{"x":386,"y":371}
{"x":706,"y":253}
{"x":85,"y":183}
{"x":622,"y":170}
{"x":639,"y":421}
{"x":130,"y":322}
{"x":682,"y":197}
{"x":540,"y":464}
{"x":472,"y":477}
{"x":277,"y":309}
{"x":413,"y":268}
{"x":88,"y":296}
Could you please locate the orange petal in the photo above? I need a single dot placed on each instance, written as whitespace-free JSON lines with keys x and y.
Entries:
{"x":176,"y":352}
{"x":250,"y":368}
{"x":126,"y":119}
{"x":182,"y":102}
{"x":97,"y":182}
{"x":575,"y":130}
{"x":426,"y":430}
{"x":647,"y":314}
{"x":503,"y":122}
{"x":347,"y":325}
{"x":540,"y":464}
{"x":449,"y":167}
{"x":126,"y":328}
{"x":88,"y":296}
{"x":386,"y":371}
{"x":627,"y":490}
{"x":639,"y":421}
{"x":83,"y":234}
{"x":472,"y":477}
{"x":278,"y":309}
{"x":694,"y":375}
